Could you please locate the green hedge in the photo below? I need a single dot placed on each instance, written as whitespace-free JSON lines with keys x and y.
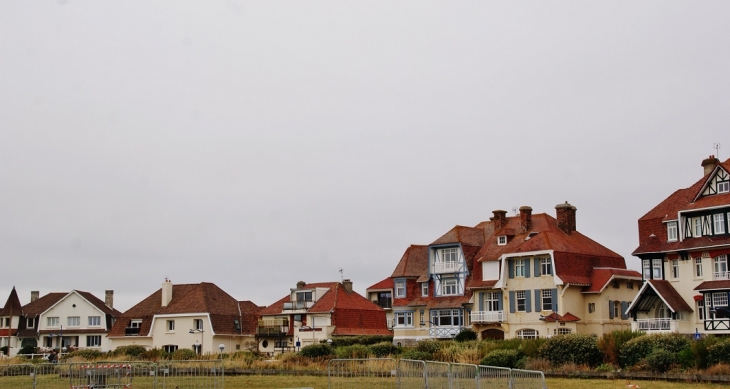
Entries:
{"x":316,"y":350}
{"x":572,"y":348}
{"x":639,"y":348}
{"x":719,"y":352}
{"x":514,"y":359}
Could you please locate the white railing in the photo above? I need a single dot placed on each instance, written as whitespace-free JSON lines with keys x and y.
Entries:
{"x":294,"y":305}
{"x":444,"y":332}
{"x":446,"y":267}
{"x":487,"y":316}
{"x":722,"y":275}
{"x":666,"y":325}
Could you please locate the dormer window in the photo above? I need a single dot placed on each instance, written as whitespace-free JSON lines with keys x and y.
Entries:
{"x":723,"y":187}
{"x":672,"y":231}
{"x":424,"y":289}
{"x":719,"y":222}
{"x":400,"y":289}
{"x":502,"y":240}
{"x":304,"y":296}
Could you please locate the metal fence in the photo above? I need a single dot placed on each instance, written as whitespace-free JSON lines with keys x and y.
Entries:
{"x":389,"y":373}
{"x":114,"y":375}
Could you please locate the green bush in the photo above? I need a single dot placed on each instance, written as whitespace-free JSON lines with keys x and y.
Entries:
{"x":639,"y":348}
{"x":465,"y":335}
{"x":383,"y":349}
{"x":132,"y":350}
{"x":155,"y":354}
{"x":184,"y":354}
{"x":700,"y":351}
{"x":339,"y":341}
{"x":513,"y":359}
{"x":4,"y":350}
{"x":610,"y":344}
{"x":572,"y":348}
{"x":429,"y":346}
{"x":356,"y":351}
{"x":416,"y":355}
{"x":27,"y":349}
{"x":661,"y":360}
{"x":531,"y":347}
{"x":316,"y":350}
{"x":686,"y":358}
{"x":87,"y":354}
{"x":719,"y":352}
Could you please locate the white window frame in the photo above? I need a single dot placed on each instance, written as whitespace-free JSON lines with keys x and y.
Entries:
{"x":546,"y":266}
{"x":491,"y":301}
{"x":546,"y":298}
{"x":74,"y":321}
{"x":94,"y":321}
{"x":528,"y":333}
{"x":405,"y":317}
{"x":170,"y":326}
{"x":53,"y":321}
{"x":672,"y":231}
{"x":520,"y":295}
{"x":591,"y":307}
{"x":720,"y":266}
{"x":449,"y":287}
{"x":701,"y":309}
{"x":646,"y":266}
{"x":723,"y":186}
{"x":616,"y":309}
{"x":198,"y":324}
{"x":400,"y":289}
{"x":424,"y":289}
{"x":135,"y":323}
{"x":562,"y":331}
{"x":519,"y":267}
{"x":656,"y":268}
{"x":697,"y":227}
{"x":450,"y":254}
{"x":93,"y":340}
{"x":30,"y":323}
{"x":719,"y":299}
{"x":447,"y":317}
{"x":718,"y":220}
{"x":698,"y":267}
{"x":675,"y":268}
{"x":502,"y":240}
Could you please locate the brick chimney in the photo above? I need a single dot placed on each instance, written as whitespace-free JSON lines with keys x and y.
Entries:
{"x":348,"y":285}
{"x":566,"y":217}
{"x":109,"y":298}
{"x":166,"y":292}
{"x":34,"y":295}
{"x":709,"y":164}
{"x":301,"y":284}
{"x":526,"y":218}
{"x":499,"y":219}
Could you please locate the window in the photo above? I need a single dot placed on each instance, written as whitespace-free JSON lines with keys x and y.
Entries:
{"x":170,"y":348}
{"x":629,"y":284}
{"x":701,"y":309}
{"x":527,"y":334}
{"x":646,"y":265}
{"x":519,"y":268}
{"x":719,"y":222}
{"x":656,"y":268}
{"x":304,"y":296}
{"x":30,"y":323}
{"x":404,"y":319}
{"x":74,"y":321}
{"x":719,"y":299}
{"x":400,"y":289}
{"x":520,"y":297}
{"x":502,"y":240}
{"x":424,"y":289}
{"x":446,"y":317}
{"x":197,"y":324}
{"x":170,"y":325}
{"x":6,"y":321}
{"x":721,"y":267}
{"x":698,"y":267}
{"x":450,"y":255}
{"x":491,"y":301}
{"x":546,"y":266}
{"x":591,"y":307}
{"x":617,"y":309}
{"x":135,"y":323}
{"x":616,"y":284}
{"x":448,"y":287}
{"x":697,"y":227}
{"x":94,"y":321}
{"x":675,"y":268}
{"x":672,"y":231}
{"x":93,"y":340}
{"x":562,"y":331}
{"x":281,"y":343}
{"x":53,"y":322}
{"x":723,"y":187}
{"x":547,"y":299}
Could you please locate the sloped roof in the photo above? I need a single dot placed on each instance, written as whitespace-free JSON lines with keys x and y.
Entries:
{"x":601,"y":277}
{"x":42,"y":304}
{"x":555,"y":317}
{"x":664,"y":290}
{"x":413,"y":263}
{"x":98,"y":303}
{"x":205,"y":298}
{"x":12,"y":305}
{"x":249,"y":317}
{"x":386,"y":284}
{"x":467,"y":236}
{"x":714,"y":285}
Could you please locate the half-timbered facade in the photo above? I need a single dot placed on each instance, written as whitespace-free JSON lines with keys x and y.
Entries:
{"x":684,"y":244}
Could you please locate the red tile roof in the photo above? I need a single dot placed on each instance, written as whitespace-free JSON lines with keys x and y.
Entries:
{"x":714,"y":285}
{"x":413,"y":263}
{"x":601,"y":277}
{"x":42,"y":304}
{"x":670,"y":295}
{"x":12,"y":305}
{"x":568,"y":317}
{"x":386,"y":284}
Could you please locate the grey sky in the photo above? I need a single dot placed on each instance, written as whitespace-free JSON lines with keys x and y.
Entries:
{"x":256,"y":144}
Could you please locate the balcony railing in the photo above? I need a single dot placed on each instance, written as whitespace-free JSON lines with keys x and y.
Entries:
{"x":446,"y":267}
{"x":384,"y":303}
{"x":722,"y":275}
{"x":487,"y":317}
{"x":655,"y":325}
{"x":273,"y":327}
{"x":444,"y":332}
{"x":131,"y":331}
{"x":297,"y":305}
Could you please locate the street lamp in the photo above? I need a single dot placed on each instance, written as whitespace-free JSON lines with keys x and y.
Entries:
{"x":221,"y":347}
{"x":202,"y":336}
{"x":60,"y":339}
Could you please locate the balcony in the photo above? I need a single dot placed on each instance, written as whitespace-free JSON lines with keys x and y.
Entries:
{"x":655,"y":325}
{"x":721,"y":275}
{"x":444,"y":332}
{"x":487,"y":317}
{"x":385,"y":303}
{"x":272,"y":327}
{"x":131,"y":331}
{"x":298,"y":305}
{"x":446,"y":267}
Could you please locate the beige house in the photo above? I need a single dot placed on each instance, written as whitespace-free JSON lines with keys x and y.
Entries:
{"x":525,"y":276}
{"x":200,"y":316}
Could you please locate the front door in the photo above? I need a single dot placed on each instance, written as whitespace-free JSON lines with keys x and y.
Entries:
{"x":493,"y":334}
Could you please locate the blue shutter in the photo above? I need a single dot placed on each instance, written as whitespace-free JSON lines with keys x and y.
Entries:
{"x":610,"y":309}
{"x":480,"y":296}
{"x":527,"y":268}
{"x":499,"y":302}
{"x":537,"y":267}
{"x":624,"y":306}
{"x":538,"y":301}
{"x":528,"y":303}
{"x":511,"y":265}
{"x":554,"y":293}
{"x":512,"y":301}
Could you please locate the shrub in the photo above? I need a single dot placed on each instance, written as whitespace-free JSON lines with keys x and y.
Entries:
{"x":531,"y":347}
{"x":383,"y":349}
{"x":661,"y":360}
{"x":27,"y":349}
{"x":132,"y":350}
{"x":686,"y":358}
{"x":356,"y":351}
{"x":639,"y":348}
{"x":416,"y":355}
{"x":316,"y":350}
{"x":155,"y":354}
{"x":184,"y":354}
{"x":465,"y":335}
{"x":701,"y":352}
{"x":339,"y":341}
{"x":513,"y":359}
{"x":610,"y":344}
{"x":719,"y":353}
{"x":4,"y":350}
{"x":87,"y":354}
{"x":571,"y":348}
{"x":429,"y":346}
{"x":719,"y":369}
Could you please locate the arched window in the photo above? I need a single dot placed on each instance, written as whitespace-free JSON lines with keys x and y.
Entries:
{"x":528,"y":333}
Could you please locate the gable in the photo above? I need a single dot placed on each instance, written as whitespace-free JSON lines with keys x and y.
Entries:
{"x":719,"y":179}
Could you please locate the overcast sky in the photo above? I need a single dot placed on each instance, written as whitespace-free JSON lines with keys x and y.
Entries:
{"x":256,"y":144}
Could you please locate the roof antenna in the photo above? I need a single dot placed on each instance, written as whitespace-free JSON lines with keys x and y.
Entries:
{"x":342,"y":275}
{"x":514,"y":210}
{"x":716,"y":146}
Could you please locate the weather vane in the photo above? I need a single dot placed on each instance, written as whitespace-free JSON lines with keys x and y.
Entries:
{"x":716,"y":146}
{"x":342,"y":275}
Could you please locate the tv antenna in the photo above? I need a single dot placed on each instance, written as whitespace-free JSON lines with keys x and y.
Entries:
{"x":514,"y":210}
{"x":716,"y":146}
{"x":342,"y":275}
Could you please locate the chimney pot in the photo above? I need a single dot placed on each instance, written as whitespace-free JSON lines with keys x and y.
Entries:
{"x":109,"y":298}
{"x":499,"y":219}
{"x":348,"y":285}
{"x":301,"y":284}
{"x":709,"y":164}
{"x":566,"y":217}
{"x":166,"y":292}
{"x":526,"y":218}
{"x":34,"y":295}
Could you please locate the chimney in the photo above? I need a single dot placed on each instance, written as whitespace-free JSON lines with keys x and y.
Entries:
{"x":348,"y":285}
{"x":166,"y":292}
{"x":34,"y":294}
{"x":566,"y":217}
{"x":526,"y":218}
{"x":709,"y":164}
{"x":499,"y":219}
{"x":301,"y":284}
{"x":109,"y":298}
